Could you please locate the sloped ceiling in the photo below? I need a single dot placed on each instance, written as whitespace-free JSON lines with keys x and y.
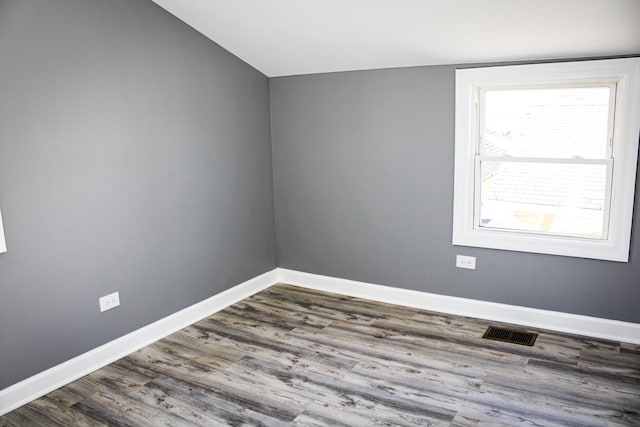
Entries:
{"x":288,"y":37}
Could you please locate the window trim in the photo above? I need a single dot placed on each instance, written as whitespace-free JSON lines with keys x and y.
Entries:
{"x":626,"y":128}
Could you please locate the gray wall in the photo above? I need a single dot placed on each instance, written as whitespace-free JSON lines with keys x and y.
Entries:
{"x":363,"y":167}
{"x":134,"y":156}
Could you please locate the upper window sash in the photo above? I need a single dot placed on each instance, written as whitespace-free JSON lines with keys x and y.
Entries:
{"x":480,"y":108}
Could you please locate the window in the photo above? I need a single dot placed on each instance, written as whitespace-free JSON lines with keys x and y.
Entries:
{"x":546,"y":157}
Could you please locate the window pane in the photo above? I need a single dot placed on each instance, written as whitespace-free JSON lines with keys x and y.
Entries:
{"x":560,"y":123}
{"x":542,"y":197}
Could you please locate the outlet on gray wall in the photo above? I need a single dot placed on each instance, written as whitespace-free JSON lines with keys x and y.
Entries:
{"x":363,"y":166}
{"x":135,"y":155}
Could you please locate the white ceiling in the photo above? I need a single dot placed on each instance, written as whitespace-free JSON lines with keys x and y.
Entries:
{"x":287,"y":37}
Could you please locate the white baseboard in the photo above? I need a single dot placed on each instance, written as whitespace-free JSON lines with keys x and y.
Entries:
{"x":38,"y":385}
{"x":544,"y":319}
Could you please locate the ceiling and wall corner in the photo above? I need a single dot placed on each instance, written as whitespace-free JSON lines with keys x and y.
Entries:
{"x":290,"y":37}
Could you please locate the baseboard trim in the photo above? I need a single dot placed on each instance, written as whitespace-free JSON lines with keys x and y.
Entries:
{"x":544,"y":319}
{"x":45,"y":382}
{"x":38,"y":385}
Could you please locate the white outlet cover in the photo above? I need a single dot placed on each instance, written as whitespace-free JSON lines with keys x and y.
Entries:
{"x":110,"y":301}
{"x":468,"y":262}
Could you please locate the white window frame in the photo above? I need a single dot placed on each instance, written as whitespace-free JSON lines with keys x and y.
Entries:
{"x":614,"y":246}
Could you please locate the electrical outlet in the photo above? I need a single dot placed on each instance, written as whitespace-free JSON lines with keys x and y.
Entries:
{"x":110,"y":301}
{"x":466,"y":262}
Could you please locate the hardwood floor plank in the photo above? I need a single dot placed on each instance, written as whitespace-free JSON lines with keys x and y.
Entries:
{"x":61,"y":415}
{"x":340,"y":307}
{"x":257,"y":389}
{"x":465,"y":420}
{"x":40,"y":413}
{"x":297,"y":353}
{"x":152,"y":361}
{"x":286,"y":317}
{"x":64,"y":398}
{"x":497,"y":417}
{"x":575,"y":383}
{"x":437,"y":388}
{"x":196,"y":340}
{"x":320,"y":415}
{"x":345,"y":390}
{"x":121,"y":397}
{"x":19,"y":417}
{"x":608,"y":362}
{"x":409,"y":350}
{"x":546,"y":410}
{"x":310,"y":419}
{"x":626,"y":348}
{"x":408,"y":355}
{"x":120,"y":410}
{"x":223,"y":408}
{"x":314,"y":311}
{"x":115,"y":376}
{"x":251,"y":343}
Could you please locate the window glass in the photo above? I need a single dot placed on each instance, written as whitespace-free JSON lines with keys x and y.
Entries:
{"x":567,"y":199}
{"x":546,"y":122}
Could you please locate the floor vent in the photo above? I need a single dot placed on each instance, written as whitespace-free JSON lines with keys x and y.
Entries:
{"x":510,"y":335}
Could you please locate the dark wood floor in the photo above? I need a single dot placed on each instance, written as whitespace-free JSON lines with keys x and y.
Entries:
{"x":294,"y":357}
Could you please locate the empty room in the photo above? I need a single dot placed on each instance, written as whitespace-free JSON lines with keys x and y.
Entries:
{"x":319,"y":213}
